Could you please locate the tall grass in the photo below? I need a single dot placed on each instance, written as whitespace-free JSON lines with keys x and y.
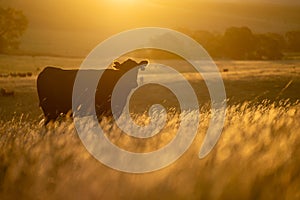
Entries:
{"x":257,"y":157}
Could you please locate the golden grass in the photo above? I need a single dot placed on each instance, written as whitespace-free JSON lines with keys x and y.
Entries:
{"x":257,"y":157}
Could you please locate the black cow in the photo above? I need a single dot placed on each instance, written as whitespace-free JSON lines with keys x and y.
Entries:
{"x":55,"y":88}
{"x":5,"y":92}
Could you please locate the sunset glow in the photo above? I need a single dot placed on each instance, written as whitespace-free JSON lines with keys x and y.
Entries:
{"x":149,"y":99}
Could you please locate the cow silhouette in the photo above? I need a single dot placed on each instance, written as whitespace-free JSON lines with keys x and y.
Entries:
{"x":55,"y":88}
{"x":6,"y":93}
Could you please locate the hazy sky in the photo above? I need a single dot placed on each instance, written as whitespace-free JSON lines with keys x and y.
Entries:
{"x":116,"y":15}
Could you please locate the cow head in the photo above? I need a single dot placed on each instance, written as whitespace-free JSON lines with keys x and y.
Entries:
{"x":130,"y":68}
{"x":130,"y":64}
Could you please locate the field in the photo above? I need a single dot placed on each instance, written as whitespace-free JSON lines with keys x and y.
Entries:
{"x":257,"y":156}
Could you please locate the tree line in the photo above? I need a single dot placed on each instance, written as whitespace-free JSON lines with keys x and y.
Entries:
{"x":240,"y":43}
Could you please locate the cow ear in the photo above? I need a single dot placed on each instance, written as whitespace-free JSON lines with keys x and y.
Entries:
{"x":117,"y":65}
{"x":143,"y":64}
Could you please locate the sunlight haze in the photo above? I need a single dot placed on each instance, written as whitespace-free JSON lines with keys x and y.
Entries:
{"x":91,"y":21}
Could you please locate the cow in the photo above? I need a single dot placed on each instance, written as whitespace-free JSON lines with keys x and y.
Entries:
{"x":6,"y":93}
{"x":55,"y":88}
{"x":20,"y":74}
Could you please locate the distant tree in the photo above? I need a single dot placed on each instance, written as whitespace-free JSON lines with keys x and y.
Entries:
{"x":13,"y":23}
{"x":211,"y":42}
{"x":268,"y":47}
{"x":239,"y":43}
{"x":279,"y":39}
{"x":293,"y":41}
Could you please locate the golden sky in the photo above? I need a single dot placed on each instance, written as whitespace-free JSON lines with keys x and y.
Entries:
{"x":117,"y":15}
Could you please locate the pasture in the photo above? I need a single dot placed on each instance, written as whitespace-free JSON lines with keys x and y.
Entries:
{"x":257,"y":156}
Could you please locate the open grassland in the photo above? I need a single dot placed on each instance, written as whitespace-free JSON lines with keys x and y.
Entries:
{"x":257,"y":156}
{"x":244,"y":81}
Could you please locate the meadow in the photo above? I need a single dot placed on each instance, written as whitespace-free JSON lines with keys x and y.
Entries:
{"x":257,"y":156}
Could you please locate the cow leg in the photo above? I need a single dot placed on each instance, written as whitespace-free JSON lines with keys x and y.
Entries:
{"x":50,"y":117}
{"x":47,"y":120}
